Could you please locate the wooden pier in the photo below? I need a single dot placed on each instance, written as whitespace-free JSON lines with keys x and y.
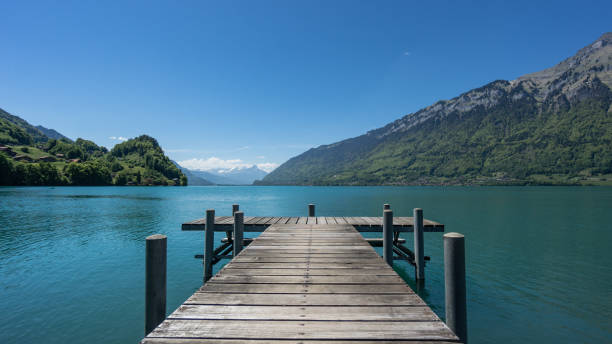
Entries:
{"x":304,"y":280}
{"x":361,"y":223}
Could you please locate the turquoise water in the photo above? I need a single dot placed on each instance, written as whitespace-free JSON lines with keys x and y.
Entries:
{"x":539,"y":259}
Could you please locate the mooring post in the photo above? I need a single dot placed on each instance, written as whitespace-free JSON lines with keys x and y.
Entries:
{"x":386,"y":206}
{"x":311,"y":210}
{"x":235,"y":208}
{"x":454,"y":284}
{"x":209,"y":238}
{"x":155,"y":282}
{"x":419,"y":256}
{"x":388,"y":236}
{"x":238,"y":231}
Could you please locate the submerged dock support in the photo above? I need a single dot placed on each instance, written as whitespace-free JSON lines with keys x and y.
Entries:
{"x":238,"y":231}
{"x":209,"y":238}
{"x":388,"y":236}
{"x":454,"y":284}
{"x":155,"y":281}
{"x":311,"y":210}
{"x":419,"y":255}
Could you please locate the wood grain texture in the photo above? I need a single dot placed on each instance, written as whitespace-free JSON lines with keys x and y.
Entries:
{"x":362,"y":223}
{"x":304,"y":280}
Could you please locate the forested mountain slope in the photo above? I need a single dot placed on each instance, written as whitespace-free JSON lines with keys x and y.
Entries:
{"x":550,"y":127}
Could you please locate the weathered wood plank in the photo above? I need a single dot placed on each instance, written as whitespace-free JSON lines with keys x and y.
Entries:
{"x":337,"y":330}
{"x":307,"y":271}
{"x":281,"y":341}
{"x":306,"y":264}
{"x":351,"y":279}
{"x":381,"y":300}
{"x":304,"y":313}
{"x":276,"y":288}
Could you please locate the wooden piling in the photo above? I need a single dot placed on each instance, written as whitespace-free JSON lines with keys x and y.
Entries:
{"x":311,"y":210}
{"x":419,"y":255}
{"x":238,"y":231}
{"x":235,"y":208}
{"x":155,"y":281}
{"x":209,"y":237}
{"x":388,"y":236}
{"x":454,"y":284}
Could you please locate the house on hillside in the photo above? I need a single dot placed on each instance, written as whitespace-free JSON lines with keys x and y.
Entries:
{"x":7,"y":150}
{"x":59,"y":155}
{"x":77,"y":160}
{"x":47,"y":158}
{"x":22,"y":157}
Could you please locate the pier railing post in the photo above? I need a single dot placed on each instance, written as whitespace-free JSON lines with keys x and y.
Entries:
{"x":454,"y":284}
{"x":419,"y":256}
{"x":155,"y":281}
{"x":235,"y":208}
{"x":209,"y":237}
{"x":311,"y":210}
{"x":388,"y":236}
{"x":238,"y":231}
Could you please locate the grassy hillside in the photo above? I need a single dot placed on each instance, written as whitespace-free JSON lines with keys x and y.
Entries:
{"x":27,"y":157}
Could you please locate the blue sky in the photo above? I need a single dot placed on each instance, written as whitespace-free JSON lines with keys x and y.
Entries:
{"x":227,"y":83}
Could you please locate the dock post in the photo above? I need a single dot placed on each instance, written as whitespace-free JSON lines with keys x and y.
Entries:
{"x":388,"y":236}
{"x":235,"y":208}
{"x":454,"y":284}
{"x":209,"y":237}
{"x":155,"y":281}
{"x":238,"y":231}
{"x":419,"y":257}
{"x":311,"y":210}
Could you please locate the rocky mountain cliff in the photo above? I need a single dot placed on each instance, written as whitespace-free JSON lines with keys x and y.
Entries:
{"x":553,"y":126}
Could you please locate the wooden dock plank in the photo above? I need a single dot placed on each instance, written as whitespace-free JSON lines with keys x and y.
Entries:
{"x":307,"y":271}
{"x":301,"y":313}
{"x":382,"y":300}
{"x":280,"y":341}
{"x":331,"y":330}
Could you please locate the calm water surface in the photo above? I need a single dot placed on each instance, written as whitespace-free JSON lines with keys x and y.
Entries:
{"x":539,"y":259}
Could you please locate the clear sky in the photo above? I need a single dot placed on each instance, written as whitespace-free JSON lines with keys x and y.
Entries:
{"x":241,"y":82}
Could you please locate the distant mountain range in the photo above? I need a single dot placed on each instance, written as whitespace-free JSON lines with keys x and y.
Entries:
{"x":549,"y":127}
{"x":234,"y":176}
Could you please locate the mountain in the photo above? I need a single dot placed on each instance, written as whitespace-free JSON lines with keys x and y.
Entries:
{"x":241,"y":175}
{"x":549,"y":127}
{"x":51,"y":133}
{"x":233,"y":176}
{"x":192,"y":178}
{"x":29,"y":157}
{"x":14,"y":130}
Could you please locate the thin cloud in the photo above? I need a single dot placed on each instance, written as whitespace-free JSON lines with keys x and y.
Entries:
{"x":267,"y":166}
{"x":407,"y":53}
{"x":118,"y":138}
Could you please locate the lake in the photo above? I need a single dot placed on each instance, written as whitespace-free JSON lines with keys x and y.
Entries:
{"x":539,"y":259}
